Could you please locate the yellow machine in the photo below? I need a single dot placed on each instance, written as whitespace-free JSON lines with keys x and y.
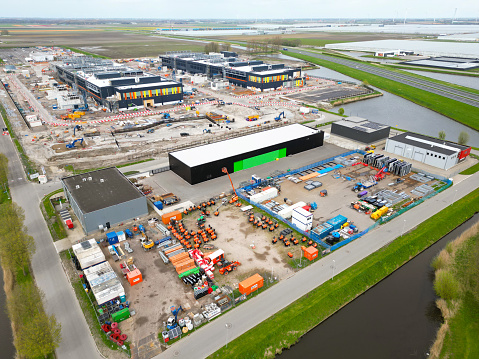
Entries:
{"x":379,"y":213}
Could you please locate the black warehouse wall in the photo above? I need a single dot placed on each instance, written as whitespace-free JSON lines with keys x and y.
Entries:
{"x":210,"y":170}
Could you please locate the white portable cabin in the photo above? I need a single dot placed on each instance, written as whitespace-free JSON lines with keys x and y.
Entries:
{"x":288,"y":212}
{"x":88,"y":253}
{"x":302,"y":219}
{"x":104,"y":282}
{"x":264,"y":195}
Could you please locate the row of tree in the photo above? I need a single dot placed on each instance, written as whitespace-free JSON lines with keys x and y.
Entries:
{"x":36,"y":333}
{"x":217,"y":47}
{"x":462,"y":139}
{"x":271,"y":44}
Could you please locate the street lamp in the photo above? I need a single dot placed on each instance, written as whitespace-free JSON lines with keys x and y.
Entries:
{"x":455,"y":195}
{"x":227,"y":326}
{"x":403,"y":228}
{"x":332,"y":267}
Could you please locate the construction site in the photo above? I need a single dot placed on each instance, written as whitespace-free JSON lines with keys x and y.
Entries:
{"x":252,"y":186}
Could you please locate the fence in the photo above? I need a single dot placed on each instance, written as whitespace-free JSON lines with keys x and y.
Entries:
{"x":159,"y":170}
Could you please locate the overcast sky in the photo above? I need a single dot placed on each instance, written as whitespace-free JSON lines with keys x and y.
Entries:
{"x":239,"y":9}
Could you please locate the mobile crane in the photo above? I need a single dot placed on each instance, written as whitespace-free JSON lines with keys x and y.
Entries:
{"x":235,"y":196}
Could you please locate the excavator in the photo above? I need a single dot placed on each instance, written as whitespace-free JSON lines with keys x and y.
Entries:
{"x":72,"y":145}
{"x":279,"y":117}
{"x":229,"y":267}
{"x":77,"y":128}
{"x":235,"y":197}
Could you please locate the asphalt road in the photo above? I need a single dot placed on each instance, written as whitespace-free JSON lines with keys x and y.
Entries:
{"x":213,"y":336}
{"x":60,"y":299}
{"x":430,"y":86}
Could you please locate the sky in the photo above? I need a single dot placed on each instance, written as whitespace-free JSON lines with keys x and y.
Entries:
{"x":244,"y":9}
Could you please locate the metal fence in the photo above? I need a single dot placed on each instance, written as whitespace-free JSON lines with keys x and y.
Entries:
{"x":159,"y":170}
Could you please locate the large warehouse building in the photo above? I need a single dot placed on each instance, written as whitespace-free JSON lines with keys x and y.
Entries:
{"x":203,"y":163}
{"x":428,"y":150}
{"x":103,"y":198}
{"x":250,"y":74}
{"x":360,"y":129}
{"x":116,"y":86}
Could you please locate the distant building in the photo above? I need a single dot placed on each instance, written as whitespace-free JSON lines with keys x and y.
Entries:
{"x":115,"y":86}
{"x":428,"y":150}
{"x":41,"y":56}
{"x":103,"y":198}
{"x":360,"y":129}
{"x":9,"y":68}
{"x":250,"y":74}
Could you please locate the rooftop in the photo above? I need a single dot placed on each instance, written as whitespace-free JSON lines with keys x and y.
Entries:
{"x":216,"y":151}
{"x":100,"y":189}
{"x":139,"y":86}
{"x":429,"y":143}
{"x":361,"y":124}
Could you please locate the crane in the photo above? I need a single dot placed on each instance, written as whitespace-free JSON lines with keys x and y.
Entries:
{"x":235,"y":197}
{"x":279,"y":117}
{"x":381,"y":174}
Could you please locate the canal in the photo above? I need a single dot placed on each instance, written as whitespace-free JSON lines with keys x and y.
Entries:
{"x":397,"y":318}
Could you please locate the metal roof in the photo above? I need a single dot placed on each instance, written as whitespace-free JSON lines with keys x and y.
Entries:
{"x":429,"y":143}
{"x":100,"y":189}
{"x":224,"y":149}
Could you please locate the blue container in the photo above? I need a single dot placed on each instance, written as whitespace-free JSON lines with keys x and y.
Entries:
{"x":112,"y":238}
{"x":158,"y":204}
{"x":321,"y":231}
{"x":337,"y":221}
{"x":141,"y":228}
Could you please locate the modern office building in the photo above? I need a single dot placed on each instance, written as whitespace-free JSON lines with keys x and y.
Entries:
{"x":360,"y":129}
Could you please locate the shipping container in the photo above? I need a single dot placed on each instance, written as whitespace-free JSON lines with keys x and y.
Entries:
{"x":167,"y":217}
{"x":337,"y":221}
{"x":321,"y":231}
{"x":112,"y":238}
{"x":121,"y":315}
{"x":310,"y":253}
{"x":134,"y":277}
{"x":251,"y":284}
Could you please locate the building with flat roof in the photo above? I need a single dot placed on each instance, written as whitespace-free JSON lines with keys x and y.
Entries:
{"x":250,"y":74}
{"x":115,"y":86}
{"x":360,"y":129}
{"x":103,"y":198}
{"x":203,"y":163}
{"x":429,"y":150}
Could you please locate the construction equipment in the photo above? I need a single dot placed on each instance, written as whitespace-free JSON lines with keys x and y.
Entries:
{"x":166,"y":115}
{"x":146,"y":243}
{"x":77,"y":127}
{"x":172,"y":322}
{"x":235,"y":197}
{"x":381,"y":174}
{"x":279,"y":117}
{"x":72,"y":145}
{"x":229,"y":267}
{"x":252,"y":118}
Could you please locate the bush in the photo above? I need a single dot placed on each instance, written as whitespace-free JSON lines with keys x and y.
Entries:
{"x":441,"y":260}
{"x":445,"y":285}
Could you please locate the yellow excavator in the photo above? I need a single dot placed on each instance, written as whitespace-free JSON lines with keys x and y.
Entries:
{"x":146,"y":243}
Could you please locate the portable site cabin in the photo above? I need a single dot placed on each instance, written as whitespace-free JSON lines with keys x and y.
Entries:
{"x":88,"y":253}
{"x":104,"y":282}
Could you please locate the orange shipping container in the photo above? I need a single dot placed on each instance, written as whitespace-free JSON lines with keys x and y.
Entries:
{"x":250,"y":284}
{"x":169,"y":216}
{"x":310,"y":253}
{"x":134,"y":277}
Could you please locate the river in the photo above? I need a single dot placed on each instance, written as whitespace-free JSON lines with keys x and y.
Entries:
{"x":6,"y":337}
{"x":397,"y":318}
{"x":397,"y":112}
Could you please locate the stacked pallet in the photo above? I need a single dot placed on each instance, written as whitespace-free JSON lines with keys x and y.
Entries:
{"x":182,"y":262}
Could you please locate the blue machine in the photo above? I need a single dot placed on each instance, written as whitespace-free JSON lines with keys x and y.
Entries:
{"x":314,"y":206}
{"x":112,"y":238}
{"x":172,"y":321}
{"x":158,"y":204}
{"x":72,"y":145}
{"x":77,"y":127}
{"x":129,"y":233}
{"x":279,"y":117}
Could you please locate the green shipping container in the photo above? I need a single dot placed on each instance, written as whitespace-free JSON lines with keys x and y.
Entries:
{"x":121,"y":315}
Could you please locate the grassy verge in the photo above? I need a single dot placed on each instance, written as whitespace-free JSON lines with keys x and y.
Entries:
{"x":85,"y":52}
{"x":52,"y":218}
{"x":457,"y":283}
{"x":458,"y":111}
{"x":286,"y":327}
{"x":425,"y":69}
{"x":70,"y":168}
{"x":471,"y":170}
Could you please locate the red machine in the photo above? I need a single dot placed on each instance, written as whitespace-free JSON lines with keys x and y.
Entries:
{"x":381,"y":174}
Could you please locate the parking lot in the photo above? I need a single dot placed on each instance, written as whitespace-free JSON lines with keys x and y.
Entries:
{"x":328,"y":94}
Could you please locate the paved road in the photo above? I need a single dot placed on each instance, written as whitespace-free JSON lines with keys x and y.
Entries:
{"x":210,"y":338}
{"x":50,"y":277}
{"x":426,"y":85}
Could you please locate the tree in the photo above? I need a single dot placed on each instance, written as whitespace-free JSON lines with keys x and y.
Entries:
{"x":212,"y":47}
{"x":225,"y":46}
{"x":16,"y":246}
{"x":463,"y":138}
{"x":4,"y":32}
{"x":442,"y":135}
{"x":341,"y":111}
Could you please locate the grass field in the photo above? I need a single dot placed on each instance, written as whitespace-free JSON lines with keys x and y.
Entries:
{"x":53,"y":220}
{"x":287,"y":326}
{"x":460,"y":112}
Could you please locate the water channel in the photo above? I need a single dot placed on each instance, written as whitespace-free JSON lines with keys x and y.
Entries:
{"x":397,"y":318}
{"x":398,"y":112}
{"x":6,"y":338}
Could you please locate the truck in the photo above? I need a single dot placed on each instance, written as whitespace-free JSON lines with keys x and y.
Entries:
{"x":360,"y":186}
{"x":168,"y":199}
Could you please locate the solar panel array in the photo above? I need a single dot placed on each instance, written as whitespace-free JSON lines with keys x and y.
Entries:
{"x":373,"y":125}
